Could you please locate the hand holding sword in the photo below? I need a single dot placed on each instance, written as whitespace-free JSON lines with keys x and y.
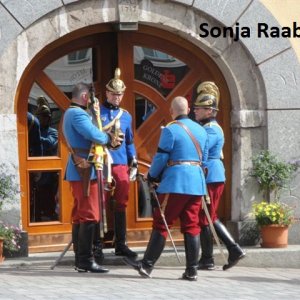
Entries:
{"x":155,"y":203}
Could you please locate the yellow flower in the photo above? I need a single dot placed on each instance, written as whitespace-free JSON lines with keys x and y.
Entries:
{"x":272,"y":213}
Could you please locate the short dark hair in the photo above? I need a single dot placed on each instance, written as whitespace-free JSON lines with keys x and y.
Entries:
{"x":79,"y":88}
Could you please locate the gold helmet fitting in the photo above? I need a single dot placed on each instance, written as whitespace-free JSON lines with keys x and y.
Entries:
{"x":208,"y":95}
{"x":43,"y":107}
{"x":116,"y":85}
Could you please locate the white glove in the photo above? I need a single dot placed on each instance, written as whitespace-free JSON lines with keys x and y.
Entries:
{"x":133,"y":169}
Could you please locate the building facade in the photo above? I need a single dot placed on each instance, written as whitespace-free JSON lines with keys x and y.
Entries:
{"x":250,"y":48}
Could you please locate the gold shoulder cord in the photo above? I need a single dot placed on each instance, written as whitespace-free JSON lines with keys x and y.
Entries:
{"x":172,"y":122}
{"x":118,"y":116}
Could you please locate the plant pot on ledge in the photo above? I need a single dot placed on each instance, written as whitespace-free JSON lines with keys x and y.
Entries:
{"x":273,"y":219}
{"x":274,"y":236}
{"x":272,"y":216}
{"x":1,"y":250}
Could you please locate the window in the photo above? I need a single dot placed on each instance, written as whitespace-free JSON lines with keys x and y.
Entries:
{"x":79,"y":56}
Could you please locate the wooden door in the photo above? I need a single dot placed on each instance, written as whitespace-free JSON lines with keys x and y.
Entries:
{"x":156,"y":69}
{"x":156,"y":66}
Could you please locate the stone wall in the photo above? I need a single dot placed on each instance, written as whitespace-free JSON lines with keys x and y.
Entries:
{"x":262,"y":74}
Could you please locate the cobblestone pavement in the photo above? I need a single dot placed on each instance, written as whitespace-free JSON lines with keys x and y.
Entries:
{"x":40,"y":282}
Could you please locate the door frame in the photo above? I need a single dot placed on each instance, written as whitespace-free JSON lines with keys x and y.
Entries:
{"x":204,"y":67}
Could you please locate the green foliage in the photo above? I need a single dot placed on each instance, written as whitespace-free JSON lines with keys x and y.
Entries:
{"x":8,"y":186}
{"x":271,"y":174}
{"x":8,"y":190}
{"x":272,"y":213}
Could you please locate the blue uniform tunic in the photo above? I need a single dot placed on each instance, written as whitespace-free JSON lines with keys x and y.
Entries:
{"x":124,"y":154}
{"x":80,"y":132}
{"x":175,"y":144}
{"x":49,"y":140}
{"x":214,"y":164}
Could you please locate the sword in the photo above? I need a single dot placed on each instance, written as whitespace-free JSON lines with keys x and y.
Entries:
{"x":153,"y":192}
{"x":61,"y":255}
{"x":97,"y":157}
{"x":212,"y":228}
{"x":102,"y":208}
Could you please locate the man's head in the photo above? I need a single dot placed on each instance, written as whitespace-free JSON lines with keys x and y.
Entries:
{"x":179,"y":106}
{"x":207,"y":101}
{"x":43,"y":111}
{"x":81,"y":94}
{"x":115,"y":89}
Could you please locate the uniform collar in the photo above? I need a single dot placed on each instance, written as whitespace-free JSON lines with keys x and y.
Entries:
{"x":205,"y":121}
{"x":110,"y":106}
{"x":78,"y":105}
{"x":181,"y":117}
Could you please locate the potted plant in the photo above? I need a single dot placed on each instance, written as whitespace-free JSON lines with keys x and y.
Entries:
{"x":273,"y":217}
{"x":9,"y":235}
{"x":273,"y":220}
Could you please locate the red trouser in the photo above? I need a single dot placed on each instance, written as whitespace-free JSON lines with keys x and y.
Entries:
{"x":215,"y":191}
{"x":184,"y":207}
{"x":120,"y":174}
{"x":85,"y":209}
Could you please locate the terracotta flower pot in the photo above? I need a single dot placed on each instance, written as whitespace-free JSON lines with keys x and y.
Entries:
{"x":274,"y":236}
{"x":1,"y":250}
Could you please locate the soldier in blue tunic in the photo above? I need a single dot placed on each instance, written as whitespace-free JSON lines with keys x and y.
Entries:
{"x":80,"y":133}
{"x":177,"y":165}
{"x":206,"y":108}
{"x":124,"y":165}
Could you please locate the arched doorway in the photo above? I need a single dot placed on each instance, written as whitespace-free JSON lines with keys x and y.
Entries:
{"x":156,"y":66}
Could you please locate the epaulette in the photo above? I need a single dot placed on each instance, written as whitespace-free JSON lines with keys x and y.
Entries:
{"x":172,"y":122}
{"x":210,"y":124}
{"x":124,"y":110}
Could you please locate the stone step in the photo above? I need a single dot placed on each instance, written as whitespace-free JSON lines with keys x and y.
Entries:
{"x":256,"y":257}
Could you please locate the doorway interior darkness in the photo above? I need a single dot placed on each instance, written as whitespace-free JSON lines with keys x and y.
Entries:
{"x":156,"y":66}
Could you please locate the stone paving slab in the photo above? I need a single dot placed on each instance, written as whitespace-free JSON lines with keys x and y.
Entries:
{"x":39,"y":282}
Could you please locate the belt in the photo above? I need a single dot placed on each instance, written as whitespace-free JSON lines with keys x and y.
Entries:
{"x":172,"y":163}
{"x":81,"y":151}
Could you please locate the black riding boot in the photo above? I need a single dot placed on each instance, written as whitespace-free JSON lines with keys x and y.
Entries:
{"x":86,"y":260}
{"x":191,"y":245}
{"x":75,"y":233}
{"x":234,"y":250}
{"x":98,"y":245}
{"x":154,"y":249}
{"x":206,"y":261}
{"x":121,"y":248}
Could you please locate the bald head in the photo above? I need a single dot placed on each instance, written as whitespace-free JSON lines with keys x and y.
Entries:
{"x":179,"y":106}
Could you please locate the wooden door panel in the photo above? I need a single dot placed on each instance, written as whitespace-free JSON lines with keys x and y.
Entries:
{"x":53,"y":91}
{"x":148,"y":148}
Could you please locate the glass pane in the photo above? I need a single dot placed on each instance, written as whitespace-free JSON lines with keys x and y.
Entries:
{"x":144,"y":202}
{"x":71,"y":69}
{"x":143,"y":109}
{"x":44,"y":196}
{"x":43,"y":119}
{"x":79,"y":56}
{"x":158,"y":69}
